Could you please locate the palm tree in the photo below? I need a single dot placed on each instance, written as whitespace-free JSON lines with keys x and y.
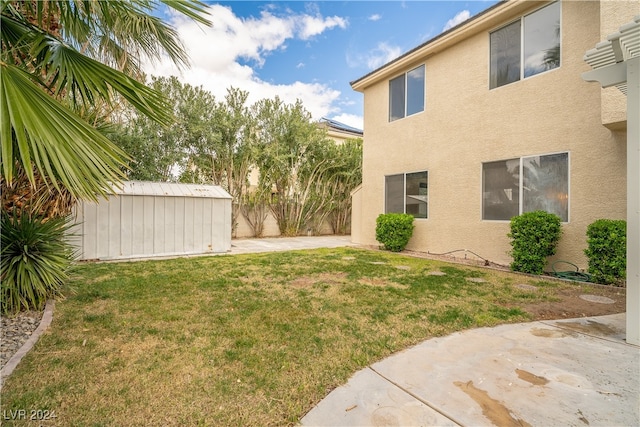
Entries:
{"x":63,"y":62}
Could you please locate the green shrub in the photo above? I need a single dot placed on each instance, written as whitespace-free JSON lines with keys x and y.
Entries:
{"x":607,"y":250}
{"x":394,"y":230}
{"x":35,"y":260}
{"x":534,"y":237}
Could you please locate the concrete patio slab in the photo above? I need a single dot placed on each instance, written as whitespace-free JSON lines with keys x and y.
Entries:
{"x":369,"y":399}
{"x":570,"y":372}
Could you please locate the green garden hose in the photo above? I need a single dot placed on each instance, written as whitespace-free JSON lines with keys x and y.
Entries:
{"x":576,"y":275}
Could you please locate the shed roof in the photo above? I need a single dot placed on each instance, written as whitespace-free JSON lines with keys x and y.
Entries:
{"x":172,"y":189}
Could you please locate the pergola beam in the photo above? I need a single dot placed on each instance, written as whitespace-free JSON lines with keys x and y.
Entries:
{"x":610,"y":75}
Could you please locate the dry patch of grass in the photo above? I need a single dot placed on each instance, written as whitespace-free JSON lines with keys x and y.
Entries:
{"x":305,"y":282}
{"x":245,"y":340}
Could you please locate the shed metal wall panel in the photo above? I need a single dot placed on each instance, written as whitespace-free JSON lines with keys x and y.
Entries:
{"x":114,"y":241}
{"x":178,"y":218}
{"x":137,"y":227}
{"x":155,"y":219}
{"x":126,"y":236}
{"x":148,"y":221}
{"x":198,"y":209}
{"x":90,"y":231}
{"x":102,"y":240}
{"x":207,"y":213}
{"x":189,"y":226}
{"x":158,"y":225}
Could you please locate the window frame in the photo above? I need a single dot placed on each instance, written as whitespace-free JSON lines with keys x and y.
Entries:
{"x":521,"y":20}
{"x":404,"y":192}
{"x":521,"y":160}
{"x":405,"y":80}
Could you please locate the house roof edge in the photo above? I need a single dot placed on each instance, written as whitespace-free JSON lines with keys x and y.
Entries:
{"x":481,"y":21}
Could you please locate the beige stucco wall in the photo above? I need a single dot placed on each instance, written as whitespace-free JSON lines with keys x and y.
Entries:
{"x":271,"y":228}
{"x":339,"y":137}
{"x":465,"y":124}
{"x":356,"y":214}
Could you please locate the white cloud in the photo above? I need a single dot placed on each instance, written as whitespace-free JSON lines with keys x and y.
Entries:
{"x":382,"y":54}
{"x":375,"y":17}
{"x":310,"y":26}
{"x":376,"y":57}
{"x":460,"y":17}
{"x":219,"y":53}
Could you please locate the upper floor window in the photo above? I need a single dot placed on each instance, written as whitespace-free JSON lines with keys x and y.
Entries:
{"x":406,"y":94}
{"x":512,"y":187}
{"x":526,"y":47}
{"x":407,"y":193}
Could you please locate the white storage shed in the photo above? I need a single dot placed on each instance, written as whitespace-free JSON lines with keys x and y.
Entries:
{"x":152,"y":219}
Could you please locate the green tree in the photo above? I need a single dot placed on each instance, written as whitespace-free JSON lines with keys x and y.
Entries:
{"x":210,"y":142}
{"x":160,"y":153}
{"x":223,"y":153}
{"x":255,"y":208}
{"x":345,"y":176}
{"x":61,"y":58}
{"x":290,"y":161}
{"x":330,"y":198}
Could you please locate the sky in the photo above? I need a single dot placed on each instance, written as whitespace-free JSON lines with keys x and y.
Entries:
{"x":304,"y":49}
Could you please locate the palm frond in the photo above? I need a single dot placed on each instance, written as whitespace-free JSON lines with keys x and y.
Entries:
{"x":17,"y":37}
{"x":194,"y":9}
{"x":89,"y":78}
{"x":150,"y":36}
{"x":129,"y":25}
{"x":42,"y":133}
{"x":122,"y":60}
{"x":65,"y":48}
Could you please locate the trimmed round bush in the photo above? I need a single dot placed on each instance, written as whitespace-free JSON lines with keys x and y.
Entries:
{"x":36,"y":259}
{"x":607,"y":250}
{"x":534,"y":237}
{"x":394,"y":230}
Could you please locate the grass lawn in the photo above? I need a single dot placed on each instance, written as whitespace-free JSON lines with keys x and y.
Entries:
{"x":247,"y":339}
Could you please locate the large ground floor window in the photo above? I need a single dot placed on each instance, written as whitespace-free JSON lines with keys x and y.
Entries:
{"x":511,"y":187}
{"x":407,"y":193}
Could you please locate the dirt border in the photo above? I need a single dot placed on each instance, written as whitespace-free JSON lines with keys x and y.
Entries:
{"x":482,"y":263}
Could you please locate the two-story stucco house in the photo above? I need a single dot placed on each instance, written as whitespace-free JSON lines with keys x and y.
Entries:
{"x":491,"y":119}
